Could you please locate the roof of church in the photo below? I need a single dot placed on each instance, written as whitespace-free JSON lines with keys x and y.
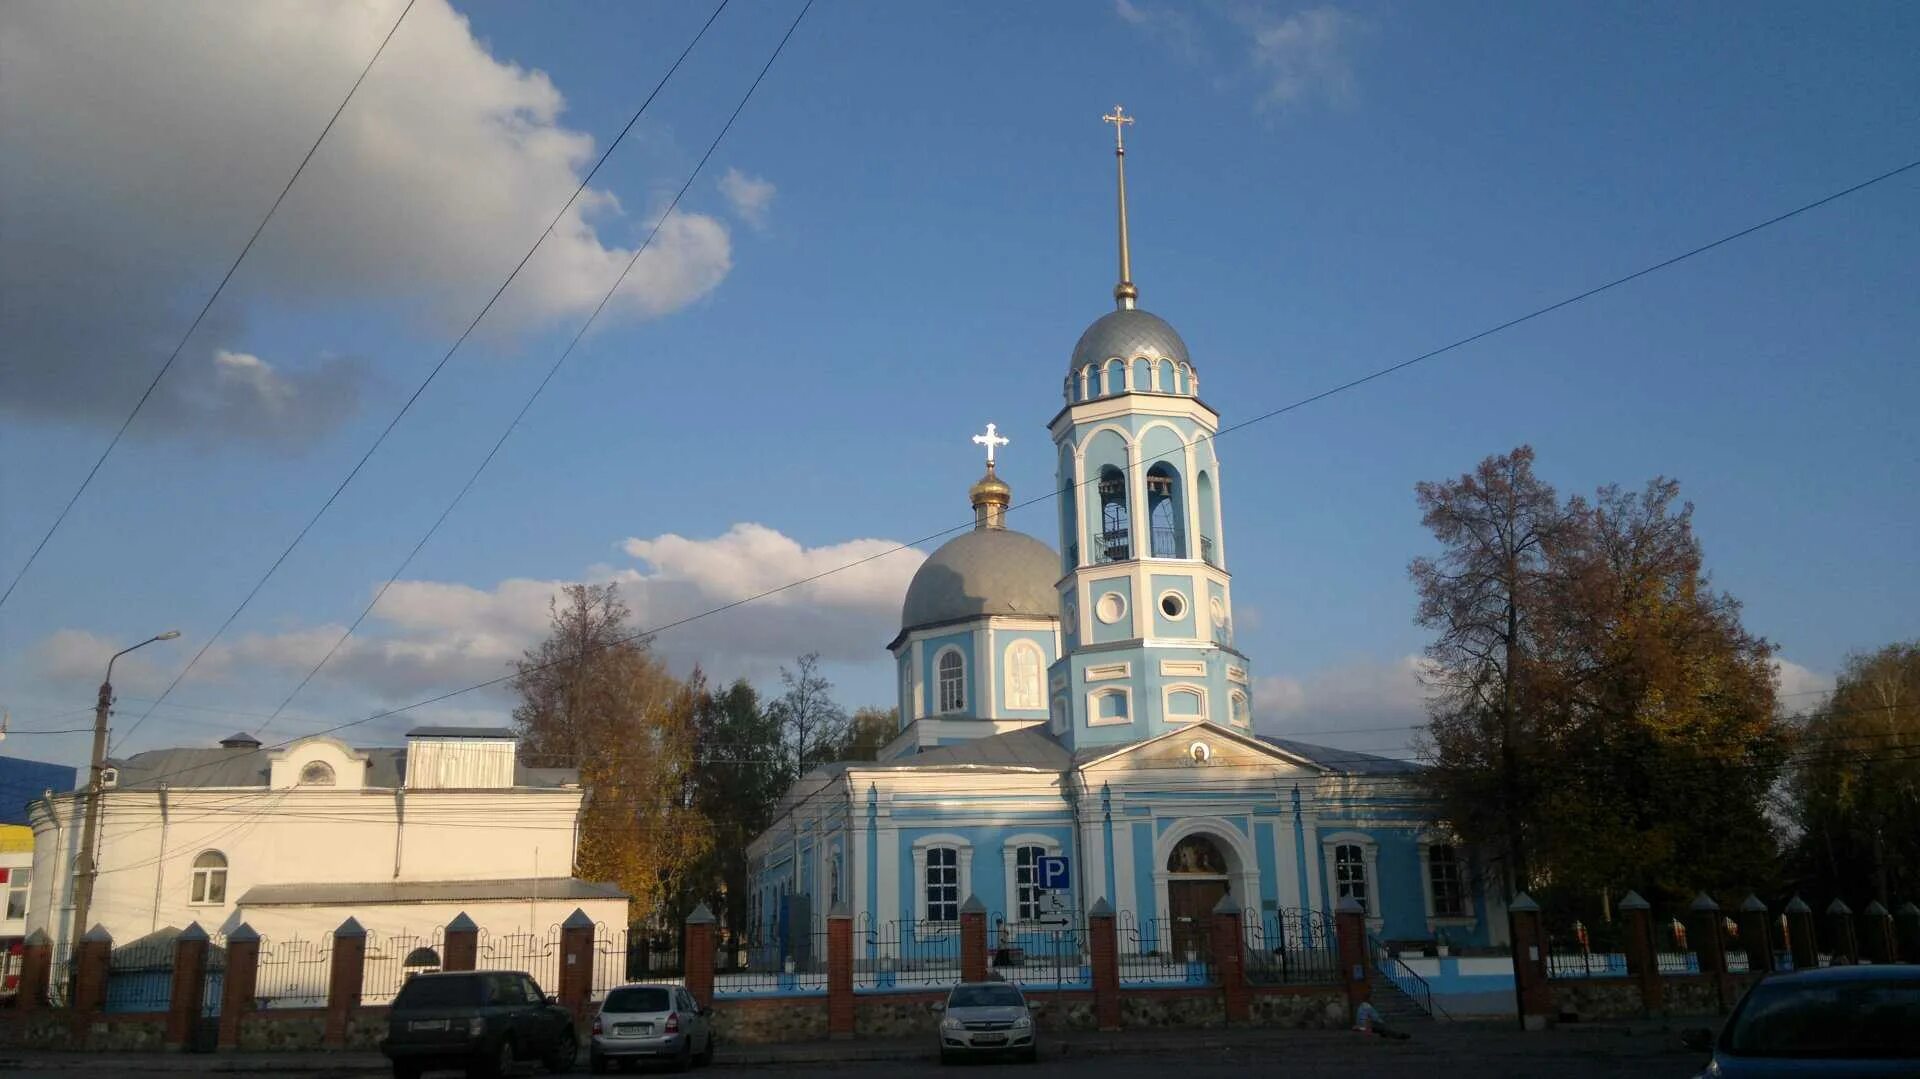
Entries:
{"x":987,"y":571}
{"x":1129,"y":333}
{"x":1343,"y":760}
{"x":250,"y":767}
{"x":338,"y":893}
{"x":1029,"y":747}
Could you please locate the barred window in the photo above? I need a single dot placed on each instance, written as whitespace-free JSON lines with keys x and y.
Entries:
{"x":1350,"y":874}
{"x":953,"y":682}
{"x":1449,"y":889}
{"x":943,"y":884}
{"x":1026,"y":882}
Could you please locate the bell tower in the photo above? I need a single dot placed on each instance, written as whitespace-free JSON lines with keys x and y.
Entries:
{"x":1146,"y":601}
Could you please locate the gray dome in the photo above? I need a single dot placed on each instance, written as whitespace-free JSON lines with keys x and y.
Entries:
{"x":982,"y":572}
{"x":1129,"y":333}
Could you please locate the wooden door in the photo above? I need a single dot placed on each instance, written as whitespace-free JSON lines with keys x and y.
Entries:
{"x":1191,"y":904}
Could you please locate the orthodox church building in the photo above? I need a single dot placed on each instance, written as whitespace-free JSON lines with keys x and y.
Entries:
{"x":1090,"y":703}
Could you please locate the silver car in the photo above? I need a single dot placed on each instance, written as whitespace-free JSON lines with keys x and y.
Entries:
{"x":986,"y":1017}
{"x":640,"y":1023}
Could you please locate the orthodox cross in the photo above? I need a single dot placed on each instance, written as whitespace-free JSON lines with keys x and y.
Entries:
{"x":990,"y":440}
{"x":1119,"y":119}
{"x":1124,"y":293}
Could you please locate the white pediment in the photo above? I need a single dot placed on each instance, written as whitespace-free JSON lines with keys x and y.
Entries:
{"x":1206,"y":752}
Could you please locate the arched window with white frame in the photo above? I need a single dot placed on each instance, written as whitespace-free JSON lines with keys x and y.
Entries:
{"x":209,"y":878}
{"x":950,"y":670}
{"x":316,"y":774}
{"x":943,"y":874}
{"x":1026,"y":676}
{"x":1350,"y":874}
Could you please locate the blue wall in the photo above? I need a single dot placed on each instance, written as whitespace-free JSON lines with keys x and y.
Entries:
{"x":22,"y":781}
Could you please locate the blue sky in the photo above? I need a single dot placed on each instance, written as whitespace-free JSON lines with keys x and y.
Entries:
{"x":918,"y":226}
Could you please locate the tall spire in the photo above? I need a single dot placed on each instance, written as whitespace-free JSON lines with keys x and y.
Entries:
{"x":1124,"y":294}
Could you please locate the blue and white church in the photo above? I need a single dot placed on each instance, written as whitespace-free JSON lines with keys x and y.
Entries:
{"x":1091,"y":702}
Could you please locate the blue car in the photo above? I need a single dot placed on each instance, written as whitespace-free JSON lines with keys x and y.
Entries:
{"x":1853,"y":1021}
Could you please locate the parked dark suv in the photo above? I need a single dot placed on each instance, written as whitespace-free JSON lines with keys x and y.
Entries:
{"x":480,"y":1020}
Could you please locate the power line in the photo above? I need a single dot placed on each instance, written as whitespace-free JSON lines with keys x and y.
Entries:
{"x":553,"y":370}
{"x":204,"y":308}
{"x":432,"y":374}
{"x":1048,"y":496}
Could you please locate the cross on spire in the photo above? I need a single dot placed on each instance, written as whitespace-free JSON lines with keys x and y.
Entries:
{"x":993,"y":438}
{"x":1124,"y":294}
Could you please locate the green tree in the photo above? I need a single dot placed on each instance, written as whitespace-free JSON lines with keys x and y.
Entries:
{"x":868,"y":732}
{"x":1855,"y":790}
{"x":813,"y":727}
{"x":741,"y":774}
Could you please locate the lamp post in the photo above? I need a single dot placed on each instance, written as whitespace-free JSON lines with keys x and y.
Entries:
{"x":84,"y":869}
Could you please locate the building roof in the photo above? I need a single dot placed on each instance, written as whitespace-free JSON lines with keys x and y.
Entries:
{"x":1128,"y":333}
{"x":1028,"y":747}
{"x":250,"y":767}
{"x":1349,"y":761}
{"x":333,"y":893}
{"x":988,"y":571}
{"x":492,"y":734}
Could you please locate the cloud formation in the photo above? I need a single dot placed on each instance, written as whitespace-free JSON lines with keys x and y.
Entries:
{"x":140,"y":143}
{"x":1374,"y":705}
{"x":1286,"y":58}
{"x":750,"y":196}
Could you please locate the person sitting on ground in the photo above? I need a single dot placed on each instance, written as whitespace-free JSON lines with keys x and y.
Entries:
{"x":1366,"y":1020}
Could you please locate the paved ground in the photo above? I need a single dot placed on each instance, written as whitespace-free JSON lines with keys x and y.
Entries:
{"x":1481,"y":1051}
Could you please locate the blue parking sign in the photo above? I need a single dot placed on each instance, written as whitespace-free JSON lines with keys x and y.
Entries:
{"x":1053,"y":872}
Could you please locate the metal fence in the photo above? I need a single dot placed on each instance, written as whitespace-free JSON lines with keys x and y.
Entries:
{"x":537,"y":954}
{"x":293,"y":973}
{"x":1040,"y":956}
{"x":789,"y":959}
{"x":1291,"y":947}
{"x":904,"y":954}
{"x":1164,"y":951}
{"x":392,"y":958}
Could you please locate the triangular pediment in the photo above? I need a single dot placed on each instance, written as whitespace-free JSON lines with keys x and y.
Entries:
{"x":1202,"y":748}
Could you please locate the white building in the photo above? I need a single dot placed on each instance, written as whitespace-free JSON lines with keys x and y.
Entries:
{"x":295,"y":840}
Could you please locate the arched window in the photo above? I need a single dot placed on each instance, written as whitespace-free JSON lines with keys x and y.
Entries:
{"x":953,"y":681}
{"x":1116,"y":377}
{"x":210,"y":877}
{"x":1026,"y":882}
{"x":1058,"y":714}
{"x":316,"y":774}
{"x":1197,"y":855}
{"x":943,"y":884}
{"x":1025,"y":688}
{"x":1238,"y":711}
{"x":1163,"y":376}
{"x":1114,"y":539}
{"x":1207,"y":525}
{"x":1142,"y":374}
{"x":1165,"y":515}
{"x":1107,"y":706}
{"x":1350,"y":874}
{"x":1448,"y":884}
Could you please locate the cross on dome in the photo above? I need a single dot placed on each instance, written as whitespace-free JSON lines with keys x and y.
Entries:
{"x":990,"y":440}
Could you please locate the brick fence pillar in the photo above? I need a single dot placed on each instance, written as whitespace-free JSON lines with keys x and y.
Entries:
{"x":1531,"y":990}
{"x":36,"y":971}
{"x":1103,"y":944}
{"x":1876,"y":933}
{"x":840,"y":971}
{"x":344,"y":981}
{"x":1756,"y":934}
{"x":1841,"y":944}
{"x":1800,"y":939}
{"x":237,"y":990}
{"x":1906,"y":924}
{"x":89,"y":996}
{"x":1710,"y":944}
{"x":973,"y":940}
{"x":1643,"y":960}
{"x":576,"y":966}
{"x":1228,"y":957}
{"x":189,"y":987}
{"x":700,"y":955}
{"x":462,"y":944}
{"x":1350,"y":936}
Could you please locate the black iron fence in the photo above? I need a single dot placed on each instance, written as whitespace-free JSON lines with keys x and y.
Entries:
{"x":392,"y":958}
{"x":1040,"y":955}
{"x":1164,"y":950}
{"x":538,"y":954}
{"x":789,"y":958}
{"x":1291,"y":947}
{"x":293,"y":973}
{"x":904,"y":953}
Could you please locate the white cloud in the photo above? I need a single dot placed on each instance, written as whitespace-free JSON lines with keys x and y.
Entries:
{"x":1373,"y":705}
{"x":1799,"y":688}
{"x":750,"y":196}
{"x":139,"y":144}
{"x":80,"y":658}
{"x":1287,"y":58}
{"x":428,"y":636}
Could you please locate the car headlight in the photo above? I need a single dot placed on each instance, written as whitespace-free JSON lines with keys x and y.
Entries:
{"x":1023,"y":1022}
{"x":476,"y":1026}
{"x":951,"y":1024}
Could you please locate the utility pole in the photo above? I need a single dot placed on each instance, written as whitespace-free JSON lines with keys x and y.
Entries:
{"x":85,"y":869}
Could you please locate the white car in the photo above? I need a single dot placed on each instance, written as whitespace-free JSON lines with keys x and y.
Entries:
{"x":980,"y":1018}
{"x":648,"y":1023}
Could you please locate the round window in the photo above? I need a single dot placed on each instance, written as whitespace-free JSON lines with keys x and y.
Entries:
{"x":1111,"y":607}
{"x":1218,"y":610}
{"x":1173,"y":605}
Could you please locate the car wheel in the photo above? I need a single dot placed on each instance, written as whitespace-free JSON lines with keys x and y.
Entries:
{"x":565,"y":1051}
{"x":596,"y":1063}
{"x":706,"y":1051}
{"x":1032,"y":1054}
{"x":499,"y":1064}
{"x":406,"y":1069}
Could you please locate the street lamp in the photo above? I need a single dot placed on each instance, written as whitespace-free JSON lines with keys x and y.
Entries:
{"x":85,"y":870}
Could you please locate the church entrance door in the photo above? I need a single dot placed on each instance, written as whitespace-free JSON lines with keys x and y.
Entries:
{"x":1191,"y":904}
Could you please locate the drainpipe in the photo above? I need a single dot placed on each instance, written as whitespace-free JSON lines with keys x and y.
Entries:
{"x":1070,"y":786}
{"x":399,"y":827}
{"x":160,"y":866}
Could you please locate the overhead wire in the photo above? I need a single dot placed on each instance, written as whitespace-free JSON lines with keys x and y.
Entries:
{"x":114,"y":442}
{"x":1402,"y":365}
{"x":432,"y":374}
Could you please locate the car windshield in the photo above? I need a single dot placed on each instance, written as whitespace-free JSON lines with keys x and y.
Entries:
{"x":985,"y":996}
{"x":439,"y":993}
{"x":645,"y":998}
{"x":1859,"y":1018}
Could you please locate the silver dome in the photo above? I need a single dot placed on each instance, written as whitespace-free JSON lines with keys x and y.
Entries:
{"x":1129,"y":333}
{"x":982,"y":572}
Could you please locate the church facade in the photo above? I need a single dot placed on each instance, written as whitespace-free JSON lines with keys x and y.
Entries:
{"x":1090,"y":703}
